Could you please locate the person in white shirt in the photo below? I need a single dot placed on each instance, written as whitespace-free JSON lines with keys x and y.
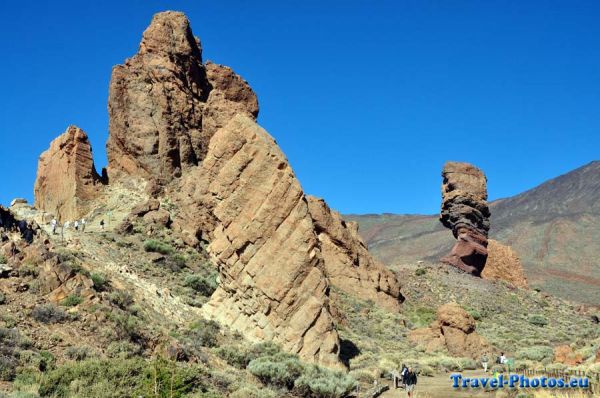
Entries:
{"x":76,"y":225}
{"x":54,"y":223}
{"x":502,"y":358}
{"x":83,"y":225}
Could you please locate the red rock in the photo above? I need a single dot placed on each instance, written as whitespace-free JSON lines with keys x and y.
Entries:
{"x":465,"y":211}
{"x":67,"y":181}
{"x":564,"y":354}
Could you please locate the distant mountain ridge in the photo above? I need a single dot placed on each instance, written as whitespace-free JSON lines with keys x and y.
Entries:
{"x":554,"y":227}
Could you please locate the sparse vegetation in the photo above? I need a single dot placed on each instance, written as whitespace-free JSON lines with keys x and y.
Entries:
{"x":100,"y":281}
{"x":205,"y":285}
{"x":49,"y":313}
{"x":155,"y":246}
{"x":538,"y":320}
{"x":72,"y":300}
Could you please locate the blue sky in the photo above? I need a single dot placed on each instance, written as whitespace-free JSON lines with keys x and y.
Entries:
{"x":366,"y":98}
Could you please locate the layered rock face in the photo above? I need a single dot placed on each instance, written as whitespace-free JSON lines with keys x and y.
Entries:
{"x":348,"y":264}
{"x":252,"y":210}
{"x":67,"y":181}
{"x":454,"y":330}
{"x":164,"y":104}
{"x":503,"y":263}
{"x":465,"y":211}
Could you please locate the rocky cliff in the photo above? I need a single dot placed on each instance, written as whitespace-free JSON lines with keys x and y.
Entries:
{"x":67,"y":181}
{"x":465,"y":211}
{"x":187,"y":130}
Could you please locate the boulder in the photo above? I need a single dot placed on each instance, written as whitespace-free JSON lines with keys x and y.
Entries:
{"x":454,"y":331}
{"x":164,"y":106}
{"x":67,"y":181}
{"x":465,"y":211}
{"x":504,"y":264}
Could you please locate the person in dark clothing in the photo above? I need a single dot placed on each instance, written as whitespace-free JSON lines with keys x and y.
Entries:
{"x":411,"y":382}
{"x":403,"y":373}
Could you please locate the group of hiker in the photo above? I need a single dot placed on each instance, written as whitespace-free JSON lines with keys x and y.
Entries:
{"x":500,"y":360}
{"x":78,"y":225}
{"x":407,"y":380}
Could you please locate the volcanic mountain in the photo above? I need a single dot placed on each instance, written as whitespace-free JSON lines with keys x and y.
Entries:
{"x":554,"y":228}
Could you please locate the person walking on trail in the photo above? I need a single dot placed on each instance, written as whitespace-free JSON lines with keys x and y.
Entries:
{"x":411,"y":382}
{"x":102,"y":224}
{"x":403,"y":373}
{"x":54,"y":224}
{"x":76,"y":225}
{"x":484,"y":362}
{"x":83,"y":225}
{"x":502,"y":359}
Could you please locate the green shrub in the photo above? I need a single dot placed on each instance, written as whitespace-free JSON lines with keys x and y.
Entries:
{"x":3,"y":259}
{"x":280,"y":370}
{"x":204,"y":333}
{"x":321,"y":382}
{"x":158,"y":247}
{"x":122,"y":378}
{"x":538,"y":320}
{"x":28,"y":269}
{"x":100,"y":282}
{"x":474,"y":313}
{"x":72,"y":300}
{"x":8,"y":368}
{"x":121,"y":299}
{"x":420,"y":271}
{"x":422,"y":316}
{"x":2,"y":298}
{"x":535,"y":353}
{"x":206,"y":286}
{"x":79,"y":353}
{"x":49,"y":313}
{"x":240,"y":357}
{"x":251,"y":391}
{"x":467,"y":363}
{"x":123,"y":350}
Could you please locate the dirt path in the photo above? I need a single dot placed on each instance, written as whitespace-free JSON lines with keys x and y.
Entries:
{"x":440,"y":386}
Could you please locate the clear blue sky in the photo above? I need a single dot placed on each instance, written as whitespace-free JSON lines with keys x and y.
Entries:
{"x":367,"y":99}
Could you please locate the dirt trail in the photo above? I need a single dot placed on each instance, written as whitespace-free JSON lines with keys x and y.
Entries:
{"x":440,"y":386}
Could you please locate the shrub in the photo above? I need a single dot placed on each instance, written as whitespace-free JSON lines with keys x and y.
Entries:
{"x":321,"y":382}
{"x":280,"y":370}
{"x":251,"y":391}
{"x":474,"y":313}
{"x":28,"y":269}
{"x":121,"y":299}
{"x":420,"y":271}
{"x":538,"y":320}
{"x":72,"y":300}
{"x":157,"y":247}
{"x":536,"y":353}
{"x":100,"y":282}
{"x":123,"y":350}
{"x":425,"y":370}
{"x":122,"y":378}
{"x":49,"y":313}
{"x":2,"y":298}
{"x":240,"y":357}
{"x":8,"y":368}
{"x":206,"y":286}
{"x":204,"y":333}
{"x":79,"y":353}
{"x":3,"y":259}
{"x":467,"y":363}
{"x":422,"y":316}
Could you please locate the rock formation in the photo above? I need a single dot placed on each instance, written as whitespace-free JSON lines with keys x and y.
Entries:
{"x":67,"y":181}
{"x":164,"y":104}
{"x":564,"y":354}
{"x":503,"y":263}
{"x":348,"y":264}
{"x":188,"y":129}
{"x":465,"y":211}
{"x":248,"y":204}
{"x":454,"y":330}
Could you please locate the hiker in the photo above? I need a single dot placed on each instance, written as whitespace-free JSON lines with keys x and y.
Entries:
{"x":83,"y":225}
{"x":102,"y":224}
{"x":54,"y":223}
{"x":403,"y":373}
{"x":502,"y":359}
{"x":484,"y":361}
{"x":76,"y":225}
{"x":411,"y":381}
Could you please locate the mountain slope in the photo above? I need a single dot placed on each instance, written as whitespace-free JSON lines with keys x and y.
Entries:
{"x":555,"y":228}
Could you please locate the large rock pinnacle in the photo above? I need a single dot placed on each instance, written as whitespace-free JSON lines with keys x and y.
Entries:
{"x":67,"y":181}
{"x":164,"y":104}
{"x":465,"y":211}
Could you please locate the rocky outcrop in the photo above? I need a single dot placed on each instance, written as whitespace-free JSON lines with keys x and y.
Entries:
{"x":465,"y":211}
{"x":246,"y":201}
{"x":564,"y":354}
{"x":67,"y":181}
{"x":164,"y":104}
{"x":348,"y":264}
{"x":454,"y":331}
{"x":504,"y":264}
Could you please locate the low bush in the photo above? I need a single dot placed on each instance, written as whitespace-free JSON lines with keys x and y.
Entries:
{"x":122,"y":378}
{"x":537,"y":320}
{"x":80,"y":353}
{"x":123,"y":350}
{"x":321,"y":382}
{"x":240,"y":357}
{"x":535,"y":353}
{"x":72,"y":300}
{"x":280,"y":370}
{"x":121,"y":299}
{"x":100,"y":282}
{"x":2,"y":298}
{"x":49,"y":313}
{"x":205,"y":333}
{"x":422,"y":316}
{"x":158,"y":247}
{"x":420,"y":271}
{"x":205,"y":285}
